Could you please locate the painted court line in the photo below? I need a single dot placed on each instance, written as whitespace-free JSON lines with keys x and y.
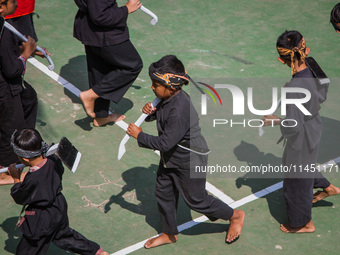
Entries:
{"x":203,"y":218}
{"x":218,"y":193}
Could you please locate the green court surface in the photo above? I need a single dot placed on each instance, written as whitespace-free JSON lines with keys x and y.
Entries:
{"x":112,"y":202}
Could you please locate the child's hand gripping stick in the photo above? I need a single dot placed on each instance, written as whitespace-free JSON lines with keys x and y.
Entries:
{"x":67,"y":153}
{"x":150,"y":13}
{"x":23,"y":38}
{"x":122,"y":150}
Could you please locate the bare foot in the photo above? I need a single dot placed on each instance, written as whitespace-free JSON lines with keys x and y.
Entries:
{"x":88,"y":98}
{"x":104,"y":253}
{"x":308,"y":228}
{"x":331,"y":190}
{"x":236,"y":225}
{"x":113,"y":117}
{"x":160,"y":240}
{"x":6,"y":179}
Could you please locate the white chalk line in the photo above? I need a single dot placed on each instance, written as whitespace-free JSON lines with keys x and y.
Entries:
{"x":194,"y":222}
{"x":218,"y":193}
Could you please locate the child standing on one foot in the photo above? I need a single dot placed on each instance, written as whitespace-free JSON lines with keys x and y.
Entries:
{"x":113,"y":63}
{"x":177,"y":120}
{"x":45,"y":207}
{"x":302,"y":140}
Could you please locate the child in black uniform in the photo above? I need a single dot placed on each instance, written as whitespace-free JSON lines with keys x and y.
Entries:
{"x":18,"y":100}
{"x":335,"y":17}
{"x":45,"y":218}
{"x":177,"y":120}
{"x":302,"y":143}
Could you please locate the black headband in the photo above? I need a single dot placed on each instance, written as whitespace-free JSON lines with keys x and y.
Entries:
{"x":168,"y":79}
{"x":29,"y":154}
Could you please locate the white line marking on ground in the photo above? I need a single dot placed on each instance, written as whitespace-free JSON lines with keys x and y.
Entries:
{"x":201,"y":219}
{"x":218,"y":193}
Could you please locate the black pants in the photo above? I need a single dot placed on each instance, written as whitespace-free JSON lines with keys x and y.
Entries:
{"x":111,"y":72}
{"x":16,"y":112}
{"x":298,"y":194}
{"x":298,"y":185}
{"x":65,"y":238}
{"x":172,"y":182}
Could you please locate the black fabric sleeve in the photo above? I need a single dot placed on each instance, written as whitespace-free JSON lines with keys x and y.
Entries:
{"x":11,"y":66}
{"x":22,"y":192}
{"x":174,"y":131}
{"x":106,"y":13}
{"x":293,"y":112}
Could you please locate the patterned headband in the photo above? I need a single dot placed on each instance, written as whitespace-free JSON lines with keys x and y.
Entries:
{"x":29,"y":154}
{"x":168,"y":79}
{"x":300,"y":49}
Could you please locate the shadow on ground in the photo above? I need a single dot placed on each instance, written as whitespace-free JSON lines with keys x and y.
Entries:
{"x":14,"y":236}
{"x":329,"y":145}
{"x":256,"y":181}
{"x":253,"y":156}
{"x":142,"y":180}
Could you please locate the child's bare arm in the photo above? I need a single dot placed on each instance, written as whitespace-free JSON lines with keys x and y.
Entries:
{"x":14,"y":172}
{"x":133,"y":130}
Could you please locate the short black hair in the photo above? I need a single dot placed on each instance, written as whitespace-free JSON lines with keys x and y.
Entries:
{"x":28,"y":140}
{"x":169,"y":64}
{"x":335,"y":14}
{"x":289,"y":40}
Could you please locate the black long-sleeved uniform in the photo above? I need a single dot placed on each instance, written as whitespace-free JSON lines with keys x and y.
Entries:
{"x":177,"y":120}
{"x":45,"y":218}
{"x":18,"y":100}
{"x":301,"y":149}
